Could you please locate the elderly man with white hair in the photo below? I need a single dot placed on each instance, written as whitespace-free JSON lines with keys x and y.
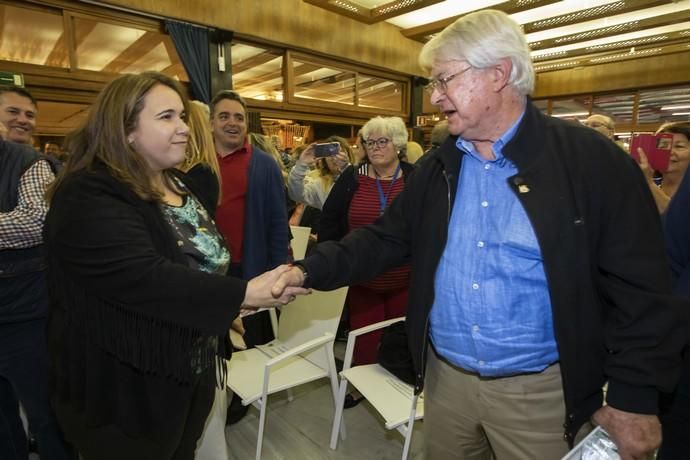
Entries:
{"x":535,"y":278}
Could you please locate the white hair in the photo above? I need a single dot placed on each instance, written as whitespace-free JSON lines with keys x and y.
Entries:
{"x":392,"y":127}
{"x":482,"y":39}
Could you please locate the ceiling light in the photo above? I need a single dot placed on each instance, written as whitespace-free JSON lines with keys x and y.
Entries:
{"x":681,"y":113}
{"x":675,"y":107}
{"x":570,"y":114}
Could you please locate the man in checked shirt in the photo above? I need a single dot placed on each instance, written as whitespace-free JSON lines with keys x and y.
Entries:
{"x":24,"y":176}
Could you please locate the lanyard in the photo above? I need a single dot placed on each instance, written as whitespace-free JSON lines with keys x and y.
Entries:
{"x":383,"y":199}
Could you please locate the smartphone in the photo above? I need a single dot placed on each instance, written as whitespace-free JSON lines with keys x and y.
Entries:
{"x":327,"y":149}
{"x":657,"y":147}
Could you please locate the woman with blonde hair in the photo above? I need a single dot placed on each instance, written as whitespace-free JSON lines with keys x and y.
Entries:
{"x":201,"y":162}
{"x":136,"y":275}
{"x":265,"y":144}
{"x":312,"y":187}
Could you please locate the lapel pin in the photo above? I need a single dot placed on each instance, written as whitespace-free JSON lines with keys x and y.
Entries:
{"x":522,"y":188}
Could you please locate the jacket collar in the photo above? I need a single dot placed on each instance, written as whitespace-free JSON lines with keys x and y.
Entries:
{"x":522,"y":149}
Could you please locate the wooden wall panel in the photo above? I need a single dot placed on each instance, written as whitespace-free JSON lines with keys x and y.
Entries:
{"x":666,"y":70}
{"x":296,"y":24}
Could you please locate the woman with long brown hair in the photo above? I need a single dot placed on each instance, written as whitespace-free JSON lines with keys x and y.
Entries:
{"x":136,"y":274}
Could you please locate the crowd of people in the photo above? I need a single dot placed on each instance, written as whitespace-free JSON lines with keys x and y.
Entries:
{"x":526,"y":252}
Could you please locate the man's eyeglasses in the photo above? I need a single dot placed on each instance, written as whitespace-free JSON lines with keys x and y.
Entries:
{"x":441,"y":84}
{"x":380,"y":143}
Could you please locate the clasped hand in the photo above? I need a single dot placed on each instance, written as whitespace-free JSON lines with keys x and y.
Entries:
{"x":277,"y":287}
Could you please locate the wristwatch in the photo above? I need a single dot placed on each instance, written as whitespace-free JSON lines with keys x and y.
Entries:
{"x":305,"y":274}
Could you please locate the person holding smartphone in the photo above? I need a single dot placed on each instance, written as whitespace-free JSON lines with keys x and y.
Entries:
{"x":677,"y":165}
{"x":312,"y":188}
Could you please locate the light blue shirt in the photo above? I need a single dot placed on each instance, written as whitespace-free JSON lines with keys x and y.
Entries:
{"x":492,"y":311}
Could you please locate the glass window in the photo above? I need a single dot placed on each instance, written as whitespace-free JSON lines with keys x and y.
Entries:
{"x":576,"y":108}
{"x":56,"y":118}
{"x":542,"y":104}
{"x":379,"y":93}
{"x":617,"y":106}
{"x":114,"y":48}
{"x":257,"y":73}
{"x":323,"y":84}
{"x":33,"y":37}
{"x":664,"y":105}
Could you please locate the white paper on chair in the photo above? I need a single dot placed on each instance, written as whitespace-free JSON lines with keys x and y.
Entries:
{"x":252,"y":311}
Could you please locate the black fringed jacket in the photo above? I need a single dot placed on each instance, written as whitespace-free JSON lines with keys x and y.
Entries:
{"x":130,"y":323}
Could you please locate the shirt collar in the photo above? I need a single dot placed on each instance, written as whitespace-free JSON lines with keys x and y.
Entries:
{"x":468,"y":147}
{"x":246,"y":148}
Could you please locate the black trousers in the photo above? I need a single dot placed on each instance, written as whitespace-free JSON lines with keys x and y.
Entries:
{"x":24,"y":376}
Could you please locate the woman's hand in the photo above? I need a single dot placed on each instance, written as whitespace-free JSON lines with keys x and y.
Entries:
{"x":644,"y":165}
{"x":307,"y":155}
{"x":259,"y":295}
{"x":341,"y":160}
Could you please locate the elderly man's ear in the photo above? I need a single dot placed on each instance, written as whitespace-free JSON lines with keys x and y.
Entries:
{"x":500,"y":74}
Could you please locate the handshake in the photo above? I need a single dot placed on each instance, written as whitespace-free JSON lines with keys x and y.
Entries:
{"x":277,"y":287}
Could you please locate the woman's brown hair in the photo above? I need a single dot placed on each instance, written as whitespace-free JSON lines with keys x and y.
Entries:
{"x":102,"y":139}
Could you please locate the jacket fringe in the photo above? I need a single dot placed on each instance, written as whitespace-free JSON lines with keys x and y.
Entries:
{"x":149,"y":344}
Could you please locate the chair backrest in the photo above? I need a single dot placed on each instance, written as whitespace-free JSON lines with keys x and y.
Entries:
{"x":300,"y":239}
{"x":309,"y":317}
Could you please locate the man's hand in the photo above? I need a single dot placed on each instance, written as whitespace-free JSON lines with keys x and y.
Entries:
{"x":635,"y":435}
{"x":260,"y":289}
{"x":293,"y":278}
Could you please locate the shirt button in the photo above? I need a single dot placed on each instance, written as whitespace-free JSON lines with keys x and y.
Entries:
{"x":480,"y":244}
{"x":475,"y":328}
{"x":481,"y":363}
{"x":487,"y":166}
{"x":475,"y":286}
{"x":485,"y":204}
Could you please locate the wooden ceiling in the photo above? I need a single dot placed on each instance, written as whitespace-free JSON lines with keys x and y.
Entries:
{"x":562,"y":34}
{"x":565,"y":34}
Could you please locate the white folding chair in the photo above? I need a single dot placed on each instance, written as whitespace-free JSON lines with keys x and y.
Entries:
{"x":301,"y":353}
{"x":392,"y":398}
{"x":300,"y":239}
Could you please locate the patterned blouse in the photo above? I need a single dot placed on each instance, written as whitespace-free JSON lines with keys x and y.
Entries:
{"x":197,"y":235}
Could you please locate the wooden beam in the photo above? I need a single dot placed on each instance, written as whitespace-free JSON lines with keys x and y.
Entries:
{"x":257,"y":60}
{"x":589,"y":14}
{"x":138,"y":49}
{"x":2,"y":20}
{"x":509,"y":7}
{"x":379,"y":13}
{"x":609,"y":31}
{"x":397,"y":8}
{"x":59,"y":56}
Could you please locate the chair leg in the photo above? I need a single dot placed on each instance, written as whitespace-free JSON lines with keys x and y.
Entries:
{"x":262,"y":422}
{"x":337,"y":419}
{"x":333,"y":374}
{"x":409,"y":428}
